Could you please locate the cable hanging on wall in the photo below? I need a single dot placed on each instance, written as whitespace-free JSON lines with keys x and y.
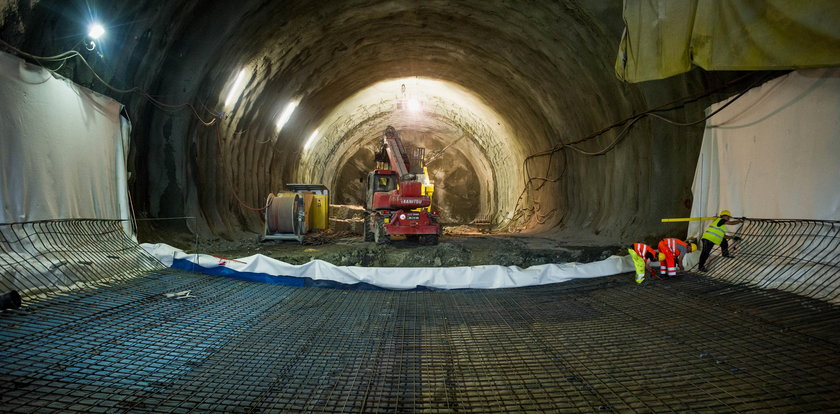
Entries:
{"x":63,"y":57}
{"x":627,"y":124}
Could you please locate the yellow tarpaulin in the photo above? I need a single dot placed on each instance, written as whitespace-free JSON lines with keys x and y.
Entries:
{"x":663,"y":38}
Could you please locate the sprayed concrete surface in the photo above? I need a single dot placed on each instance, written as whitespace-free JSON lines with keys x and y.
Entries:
{"x":496,"y":83}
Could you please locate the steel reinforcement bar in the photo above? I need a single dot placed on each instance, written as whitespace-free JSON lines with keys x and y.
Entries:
{"x":171,"y":341}
{"x":43,"y":258}
{"x":798,"y":256}
{"x":689,"y":344}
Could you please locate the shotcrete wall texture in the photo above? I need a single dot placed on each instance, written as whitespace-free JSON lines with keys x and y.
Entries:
{"x":540,"y":73}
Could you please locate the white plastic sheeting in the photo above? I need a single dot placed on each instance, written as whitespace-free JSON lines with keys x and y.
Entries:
{"x":69,"y":254}
{"x":475,"y":277}
{"x":775,"y":153}
{"x":63,"y":148}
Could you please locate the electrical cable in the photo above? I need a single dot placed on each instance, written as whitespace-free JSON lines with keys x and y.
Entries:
{"x":731,"y":101}
{"x":628,"y":124}
{"x":620,"y":137}
{"x":72,"y":53}
{"x":440,"y":152}
{"x":670,"y":106}
{"x":59,"y":66}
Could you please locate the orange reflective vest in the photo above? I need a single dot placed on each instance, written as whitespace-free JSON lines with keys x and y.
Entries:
{"x":642,"y":249}
{"x":672,"y":243}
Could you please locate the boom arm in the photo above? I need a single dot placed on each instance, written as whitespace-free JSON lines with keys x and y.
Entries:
{"x":396,"y":153}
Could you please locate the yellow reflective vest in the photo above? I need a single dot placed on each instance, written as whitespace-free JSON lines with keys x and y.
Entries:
{"x":714,"y":233}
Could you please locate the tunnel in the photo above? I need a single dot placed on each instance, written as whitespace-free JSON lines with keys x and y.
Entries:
{"x":548,"y":160}
{"x":496,"y":86}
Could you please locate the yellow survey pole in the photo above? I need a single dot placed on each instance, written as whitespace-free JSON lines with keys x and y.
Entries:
{"x":669,"y":220}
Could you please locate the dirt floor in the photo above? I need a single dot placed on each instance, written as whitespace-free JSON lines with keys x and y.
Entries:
{"x":459,"y":246}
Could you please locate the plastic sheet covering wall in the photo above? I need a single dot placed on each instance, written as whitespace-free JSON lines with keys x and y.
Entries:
{"x":663,"y":38}
{"x":774,"y":153}
{"x":63,"y":148}
{"x":798,"y":256}
{"x":39,"y":259}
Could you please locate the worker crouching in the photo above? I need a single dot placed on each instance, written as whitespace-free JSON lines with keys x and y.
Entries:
{"x":671,"y":254}
{"x":642,"y":255}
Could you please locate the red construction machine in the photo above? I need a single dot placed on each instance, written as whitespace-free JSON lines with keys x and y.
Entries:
{"x":398,"y":201}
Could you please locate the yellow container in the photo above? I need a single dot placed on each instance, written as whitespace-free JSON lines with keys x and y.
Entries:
{"x":308,"y":197}
{"x":428,"y":190}
{"x":319,"y":211}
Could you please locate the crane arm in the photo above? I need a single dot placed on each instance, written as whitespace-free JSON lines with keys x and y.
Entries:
{"x":396,"y":152}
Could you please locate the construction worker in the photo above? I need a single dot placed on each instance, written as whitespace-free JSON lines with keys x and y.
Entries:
{"x":382,"y":184}
{"x":716,"y":234}
{"x":642,"y":255}
{"x":671,"y":252}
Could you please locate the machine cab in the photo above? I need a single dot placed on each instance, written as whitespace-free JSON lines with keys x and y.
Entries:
{"x":380,"y":181}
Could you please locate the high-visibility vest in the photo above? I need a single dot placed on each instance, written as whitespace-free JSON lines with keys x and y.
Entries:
{"x":641,"y":249}
{"x":715,"y":234}
{"x":672,"y":245}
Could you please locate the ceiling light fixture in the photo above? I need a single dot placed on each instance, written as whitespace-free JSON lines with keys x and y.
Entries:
{"x":236,"y":89}
{"x":310,"y":140}
{"x":95,"y":31}
{"x":414,"y":105}
{"x":286,"y":114}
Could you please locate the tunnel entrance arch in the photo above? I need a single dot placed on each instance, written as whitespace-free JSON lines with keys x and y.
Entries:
{"x":475,"y":162}
{"x":461,"y":193}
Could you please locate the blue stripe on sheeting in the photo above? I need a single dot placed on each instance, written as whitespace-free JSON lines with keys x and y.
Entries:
{"x":185,"y":264}
{"x":223,"y":271}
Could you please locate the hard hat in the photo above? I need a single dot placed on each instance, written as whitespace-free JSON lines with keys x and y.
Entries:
{"x":693,"y":247}
{"x":661,"y":256}
{"x":725,"y":213}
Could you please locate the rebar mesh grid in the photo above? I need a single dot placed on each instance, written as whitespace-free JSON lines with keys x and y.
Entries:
{"x":687,"y":344}
{"x":44,"y":258}
{"x":799,"y":256}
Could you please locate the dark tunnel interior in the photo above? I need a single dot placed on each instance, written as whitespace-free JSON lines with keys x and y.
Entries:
{"x":535,"y":288}
{"x":507,"y":95}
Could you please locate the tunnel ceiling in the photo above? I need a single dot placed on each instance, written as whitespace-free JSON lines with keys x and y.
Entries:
{"x":497,"y":81}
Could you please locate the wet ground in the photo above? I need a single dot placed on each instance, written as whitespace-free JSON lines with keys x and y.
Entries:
{"x":343,"y":245}
{"x":454,"y":249}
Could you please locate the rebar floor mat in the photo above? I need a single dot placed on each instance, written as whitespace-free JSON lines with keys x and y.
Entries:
{"x":181,"y":342}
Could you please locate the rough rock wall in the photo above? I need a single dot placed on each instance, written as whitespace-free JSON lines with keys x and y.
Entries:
{"x":546,"y":67}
